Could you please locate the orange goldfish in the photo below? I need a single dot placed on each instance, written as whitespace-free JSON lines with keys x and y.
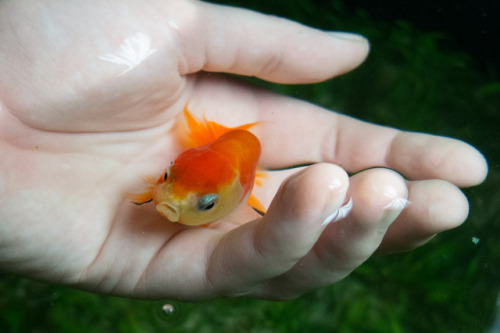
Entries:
{"x":209,"y":181}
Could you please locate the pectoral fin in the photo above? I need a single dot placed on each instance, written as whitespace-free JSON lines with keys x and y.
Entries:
{"x":147,"y":195}
{"x":256,"y":205}
{"x":141,"y":198}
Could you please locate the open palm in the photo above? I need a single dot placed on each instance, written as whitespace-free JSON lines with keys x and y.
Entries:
{"x":89,"y":96}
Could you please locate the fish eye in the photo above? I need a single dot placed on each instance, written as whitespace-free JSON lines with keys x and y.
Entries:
{"x":207,"y":201}
{"x":165,"y":176}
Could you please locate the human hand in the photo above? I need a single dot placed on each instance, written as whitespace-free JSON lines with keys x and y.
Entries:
{"x":83,"y":118}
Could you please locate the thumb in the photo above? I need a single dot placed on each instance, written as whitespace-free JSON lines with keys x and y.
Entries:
{"x":270,"y":246}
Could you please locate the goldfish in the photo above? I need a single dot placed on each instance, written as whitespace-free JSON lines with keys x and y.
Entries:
{"x":211,"y":179}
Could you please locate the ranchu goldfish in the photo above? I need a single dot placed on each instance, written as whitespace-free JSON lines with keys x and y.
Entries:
{"x":209,"y":181}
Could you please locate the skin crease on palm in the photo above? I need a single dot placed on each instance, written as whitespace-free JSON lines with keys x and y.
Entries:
{"x":79,"y":129}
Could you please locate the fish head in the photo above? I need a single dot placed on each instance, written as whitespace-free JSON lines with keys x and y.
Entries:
{"x":194,"y":193}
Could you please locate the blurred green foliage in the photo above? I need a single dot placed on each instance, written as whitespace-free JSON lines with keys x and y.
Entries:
{"x":410,"y":81}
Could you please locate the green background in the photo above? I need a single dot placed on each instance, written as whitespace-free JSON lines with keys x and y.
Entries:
{"x":413,"y":80}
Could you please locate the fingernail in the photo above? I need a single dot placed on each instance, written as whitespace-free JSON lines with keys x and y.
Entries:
{"x":335,"y":184}
{"x":339,"y":213}
{"x":397,"y":203}
{"x":348,"y":36}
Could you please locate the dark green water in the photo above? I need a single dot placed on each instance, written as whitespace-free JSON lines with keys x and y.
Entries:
{"x":449,"y":285}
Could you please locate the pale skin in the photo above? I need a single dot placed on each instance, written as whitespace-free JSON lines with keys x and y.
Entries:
{"x":77,"y":133}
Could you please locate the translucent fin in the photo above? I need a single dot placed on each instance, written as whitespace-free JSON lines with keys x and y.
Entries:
{"x":141,"y":198}
{"x":260,"y":175}
{"x":147,"y":195}
{"x":256,"y":205}
{"x":252,"y":201}
{"x":202,"y":132}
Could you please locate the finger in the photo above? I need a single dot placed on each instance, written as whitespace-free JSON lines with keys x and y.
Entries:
{"x":378,"y":196}
{"x":436,"y":206}
{"x":270,"y":246}
{"x":272,"y":182}
{"x":234,"y":40}
{"x":294,"y":132}
{"x":436,"y":157}
{"x":314,"y":134}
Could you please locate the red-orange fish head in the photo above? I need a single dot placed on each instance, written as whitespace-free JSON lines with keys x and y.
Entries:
{"x":200,"y":187}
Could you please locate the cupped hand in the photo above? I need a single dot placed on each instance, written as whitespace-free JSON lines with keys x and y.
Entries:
{"x":89,"y":96}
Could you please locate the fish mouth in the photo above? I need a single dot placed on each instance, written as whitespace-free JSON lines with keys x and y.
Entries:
{"x":170,"y":211}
